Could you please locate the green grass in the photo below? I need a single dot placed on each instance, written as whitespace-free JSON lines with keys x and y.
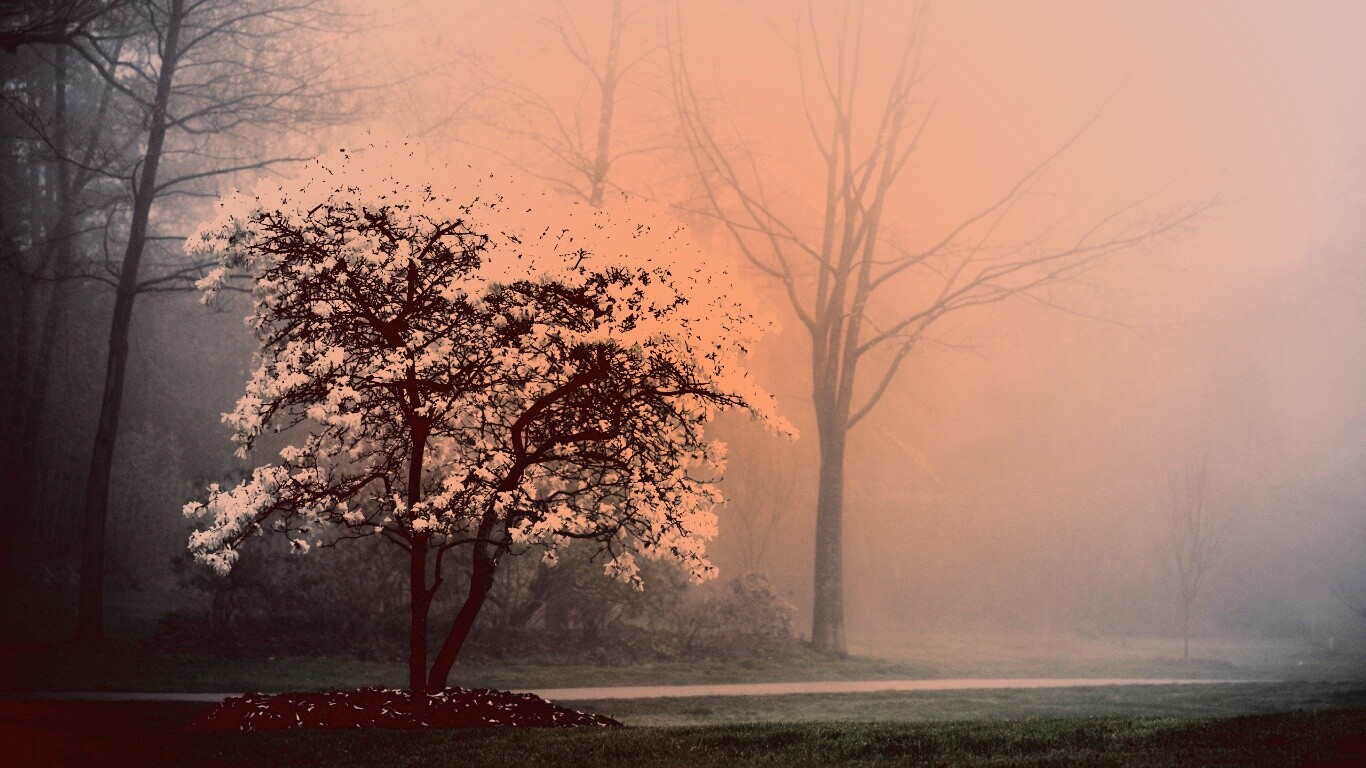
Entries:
{"x":1041,"y":654}
{"x":149,"y":735}
{"x":127,"y":668}
{"x":1292,"y":723}
{"x":1218,"y":700}
{"x":33,"y":658}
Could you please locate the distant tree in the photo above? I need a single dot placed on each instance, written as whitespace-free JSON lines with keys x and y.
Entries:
{"x":865,"y":295}
{"x":468,"y":364}
{"x":1195,"y":533}
{"x":64,"y":140}
{"x":578,"y":149}
{"x":205,"y":87}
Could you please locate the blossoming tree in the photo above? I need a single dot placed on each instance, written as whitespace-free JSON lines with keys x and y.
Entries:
{"x":469,"y":367}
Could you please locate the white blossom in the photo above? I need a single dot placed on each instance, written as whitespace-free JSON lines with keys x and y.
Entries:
{"x":560,"y":363}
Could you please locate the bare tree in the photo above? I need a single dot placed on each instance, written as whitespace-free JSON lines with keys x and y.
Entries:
{"x":50,"y":22}
{"x":577,"y":148}
{"x":62,"y":141}
{"x":864,"y":295}
{"x":208,"y":83}
{"x":1195,"y":534}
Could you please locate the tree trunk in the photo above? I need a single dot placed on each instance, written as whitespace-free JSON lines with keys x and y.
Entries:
{"x":16,"y":477}
{"x":827,"y":619}
{"x":90,"y":603}
{"x":419,"y":601}
{"x":419,"y":595}
{"x":481,"y":581}
{"x":602,"y":161}
{"x":40,"y":371}
{"x":1185,"y":629}
{"x":36,"y":400}
{"x":16,"y":465}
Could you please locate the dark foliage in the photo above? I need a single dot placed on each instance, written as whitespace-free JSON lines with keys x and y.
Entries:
{"x":346,"y":604}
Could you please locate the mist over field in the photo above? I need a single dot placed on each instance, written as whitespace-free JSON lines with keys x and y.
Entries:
{"x":1021,"y":471}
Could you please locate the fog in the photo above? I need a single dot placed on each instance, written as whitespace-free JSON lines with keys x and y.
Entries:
{"x":1018,"y":474}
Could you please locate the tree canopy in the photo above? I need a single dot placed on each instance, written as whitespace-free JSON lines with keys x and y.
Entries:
{"x":464,"y":359}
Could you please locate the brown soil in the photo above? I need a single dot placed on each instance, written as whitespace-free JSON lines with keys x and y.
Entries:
{"x":389,"y":708}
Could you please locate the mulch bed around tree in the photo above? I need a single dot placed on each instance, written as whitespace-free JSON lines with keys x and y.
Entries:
{"x":390,"y":708}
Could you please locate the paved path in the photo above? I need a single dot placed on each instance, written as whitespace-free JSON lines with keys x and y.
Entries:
{"x":838,"y":686}
{"x":720,"y":689}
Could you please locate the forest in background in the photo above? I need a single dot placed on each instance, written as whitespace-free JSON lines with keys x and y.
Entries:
{"x":1019,"y":477}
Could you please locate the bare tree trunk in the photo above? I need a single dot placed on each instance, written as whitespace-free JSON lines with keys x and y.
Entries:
{"x":602,"y":161}
{"x":419,"y":600}
{"x":1194,"y":536}
{"x":40,"y":371}
{"x":47,"y":194}
{"x":16,"y":464}
{"x":16,"y":477}
{"x":853,"y":261}
{"x":18,"y":376}
{"x":827,"y":615}
{"x":481,"y":581}
{"x":36,"y":401}
{"x":15,"y":313}
{"x":90,"y":604}
{"x":419,"y":594}
{"x":1185,"y":629}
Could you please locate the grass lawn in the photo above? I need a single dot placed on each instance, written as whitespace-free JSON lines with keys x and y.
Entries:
{"x":1190,"y":701}
{"x":48,"y":733}
{"x":33,"y":657}
{"x":127,"y":668}
{"x":1306,"y":722}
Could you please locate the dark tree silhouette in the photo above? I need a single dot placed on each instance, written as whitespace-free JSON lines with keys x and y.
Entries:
{"x":199,"y":82}
{"x":473,"y":368}
{"x":63,"y":146}
{"x":51,"y":22}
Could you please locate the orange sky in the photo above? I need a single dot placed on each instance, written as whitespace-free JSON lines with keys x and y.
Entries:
{"x":1050,"y":431}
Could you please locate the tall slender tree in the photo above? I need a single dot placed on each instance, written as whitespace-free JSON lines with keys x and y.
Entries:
{"x":63,"y":143}
{"x":208,"y":82}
